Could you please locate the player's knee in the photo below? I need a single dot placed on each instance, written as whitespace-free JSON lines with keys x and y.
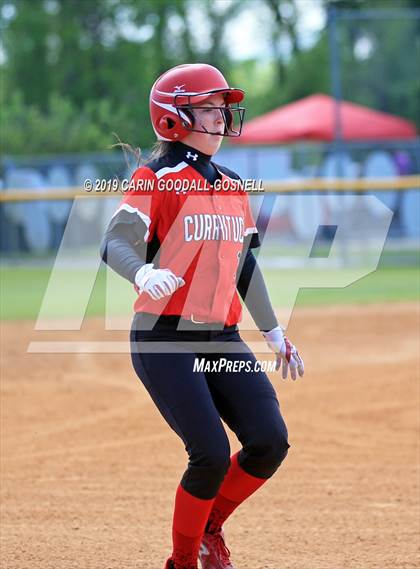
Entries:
{"x":266,"y":453}
{"x":206,"y":471}
{"x":278,"y":450}
{"x":204,"y":482}
{"x":273,"y":451}
{"x":216,"y":462}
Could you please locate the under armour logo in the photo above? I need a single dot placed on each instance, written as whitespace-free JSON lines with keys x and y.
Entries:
{"x":193,"y":156}
{"x":179,"y":88}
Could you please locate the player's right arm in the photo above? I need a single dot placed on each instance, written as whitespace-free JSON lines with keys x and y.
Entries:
{"x":124,"y":246}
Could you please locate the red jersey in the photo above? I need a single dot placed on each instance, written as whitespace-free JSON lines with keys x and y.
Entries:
{"x":200,"y":230}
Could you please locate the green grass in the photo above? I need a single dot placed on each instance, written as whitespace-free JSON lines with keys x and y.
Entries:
{"x":383,"y":285}
{"x":23,"y":289}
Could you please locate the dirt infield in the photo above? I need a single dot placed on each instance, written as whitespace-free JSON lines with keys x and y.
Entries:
{"x":89,"y":468}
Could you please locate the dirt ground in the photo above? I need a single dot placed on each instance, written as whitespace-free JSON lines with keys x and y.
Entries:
{"x":89,"y":468}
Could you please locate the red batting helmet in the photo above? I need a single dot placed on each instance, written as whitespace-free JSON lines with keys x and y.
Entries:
{"x":177,"y":92}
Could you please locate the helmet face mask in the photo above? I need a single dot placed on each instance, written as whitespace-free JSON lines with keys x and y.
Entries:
{"x":232,"y":115}
{"x":180,"y":92}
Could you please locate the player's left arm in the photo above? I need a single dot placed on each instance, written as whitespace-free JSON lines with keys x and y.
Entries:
{"x":251,"y":286}
{"x":253,"y":291}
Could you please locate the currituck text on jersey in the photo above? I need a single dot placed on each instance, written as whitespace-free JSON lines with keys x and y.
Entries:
{"x":213,"y":227}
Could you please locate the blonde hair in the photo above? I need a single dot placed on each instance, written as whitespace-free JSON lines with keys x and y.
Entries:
{"x":159,"y":149}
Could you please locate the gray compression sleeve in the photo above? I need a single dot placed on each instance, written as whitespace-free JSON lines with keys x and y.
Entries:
{"x":251,"y":287}
{"x":118,"y":252}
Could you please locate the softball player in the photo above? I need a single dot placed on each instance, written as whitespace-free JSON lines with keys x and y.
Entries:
{"x":183,"y":235}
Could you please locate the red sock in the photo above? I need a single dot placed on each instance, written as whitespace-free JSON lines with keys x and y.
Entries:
{"x":190,"y":518}
{"x":237,"y":486}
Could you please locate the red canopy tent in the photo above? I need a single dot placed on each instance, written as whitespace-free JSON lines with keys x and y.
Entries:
{"x":313,"y":118}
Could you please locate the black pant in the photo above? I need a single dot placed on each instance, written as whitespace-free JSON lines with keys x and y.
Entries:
{"x":193,"y":402}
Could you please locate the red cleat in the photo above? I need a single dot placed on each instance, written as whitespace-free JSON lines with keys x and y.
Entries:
{"x":213,"y":552}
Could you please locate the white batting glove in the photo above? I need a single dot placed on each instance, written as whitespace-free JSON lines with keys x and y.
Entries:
{"x":157,"y":282}
{"x":286,"y":353}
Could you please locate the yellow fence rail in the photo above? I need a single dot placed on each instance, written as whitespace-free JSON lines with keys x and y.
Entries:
{"x":320,"y":185}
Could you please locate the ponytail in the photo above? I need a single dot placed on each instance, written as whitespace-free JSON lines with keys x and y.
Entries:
{"x":159,"y":149}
